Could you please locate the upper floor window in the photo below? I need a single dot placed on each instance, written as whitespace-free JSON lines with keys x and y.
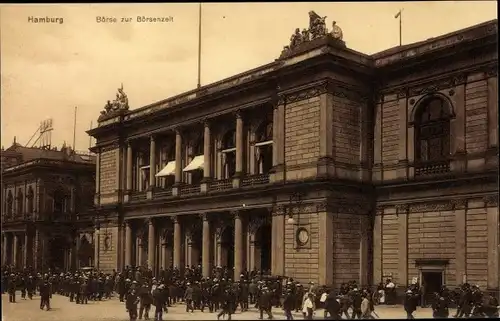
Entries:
{"x":10,"y":204}
{"x":432,"y":131}
{"x":20,"y":201}
{"x":229,"y":154}
{"x":59,"y":202}
{"x":264,"y":147}
{"x":30,"y":197}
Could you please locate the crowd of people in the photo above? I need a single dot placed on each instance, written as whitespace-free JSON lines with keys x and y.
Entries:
{"x":141,"y":291}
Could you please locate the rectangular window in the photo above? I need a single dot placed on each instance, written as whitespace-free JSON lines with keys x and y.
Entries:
{"x":435,"y":148}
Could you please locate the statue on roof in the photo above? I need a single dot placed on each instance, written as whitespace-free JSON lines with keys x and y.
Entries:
{"x":118,"y":104}
{"x":317,"y":25}
{"x":336,"y":31}
{"x":296,"y":39}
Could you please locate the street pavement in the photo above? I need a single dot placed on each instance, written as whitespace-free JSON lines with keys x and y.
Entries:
{"x":114,"y":310}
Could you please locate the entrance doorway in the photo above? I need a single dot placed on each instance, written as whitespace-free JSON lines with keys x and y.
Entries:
{"x":263,"y":239}
{"x":57,"y":250}
{"x":227,"y":241}
{"x":432,"y":281}
{"x":85,"y":253}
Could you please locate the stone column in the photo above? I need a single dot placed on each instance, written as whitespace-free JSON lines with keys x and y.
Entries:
{"x":364,"y":244}
{"x":4,"y":249}
{"x":457,"y":145}
{"x":97,"y":180}
{"x":251,"y":252}
{"x":206,"y":266}
{"x":151,"y":245}
{"x":326,"y":237}
{"x":238,"y":245}
{"x":278,"y":243}
{"x":491,"y":204}
{"x":402,"y":213}
{"x":177,"y":243}
{"x":25,"y":250}
{"x":207,"y":152}
{"x":401,"y":172}
{"x":460,"y":208}
{"x":128,"y":244}
{"x":178,"y":156}
{"x":96,"y":248}
{"x":275,"y":135}
{"x":152,"y":167}
{"x":239,"y":144}
{"x":129,"y":166}
{"x":377,"y":246}
{"x":492,"y":109}
{"x":14,"y":250}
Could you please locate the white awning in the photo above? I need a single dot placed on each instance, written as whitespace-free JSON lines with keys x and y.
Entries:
{"x":264,"y":143}
{"x":196,"y":163}
{"x":169,"y":169}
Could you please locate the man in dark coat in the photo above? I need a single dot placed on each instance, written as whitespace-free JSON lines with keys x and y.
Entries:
{"x":45,"y":296}
{"x":159,"y":300}
{"x":131,"y":303}
{"x":410,"y":304}
{"x":288,"y":304}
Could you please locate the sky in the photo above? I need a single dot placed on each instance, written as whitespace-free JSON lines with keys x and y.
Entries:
{"x":48,"y":69}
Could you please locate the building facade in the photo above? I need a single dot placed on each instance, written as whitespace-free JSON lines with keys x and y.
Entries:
{"x":47,"y":208}
{"x":326,"y":165}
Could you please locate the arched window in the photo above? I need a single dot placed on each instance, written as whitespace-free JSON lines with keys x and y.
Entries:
{"x":30,"y":197}
{"x":10,"y":204}
{"x":20,"y":201}
{"x":229,"y":140}
{"x":264,"y":132}
{"x":229,"y":154}
{"x":432,"y":131}
{"x":59,"y":206}
{"x":197,"y":147}
{"x":264,"y":147}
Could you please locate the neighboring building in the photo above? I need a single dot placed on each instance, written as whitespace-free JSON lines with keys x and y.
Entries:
{"x":326,"y":165}
{"x":47,"y":207}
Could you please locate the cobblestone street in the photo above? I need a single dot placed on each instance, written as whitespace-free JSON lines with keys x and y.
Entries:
{"x":113,"y":310}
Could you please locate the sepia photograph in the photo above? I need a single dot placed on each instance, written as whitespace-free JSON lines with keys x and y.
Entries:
{"x":243,"y":161}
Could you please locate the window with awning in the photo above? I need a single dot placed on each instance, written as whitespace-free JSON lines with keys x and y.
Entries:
{"x":168,"y":170}
{"x":198,"y":162}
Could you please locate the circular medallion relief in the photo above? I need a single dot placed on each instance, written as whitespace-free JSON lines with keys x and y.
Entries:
{"x":302,"y":236}
{"x":107,"y":242}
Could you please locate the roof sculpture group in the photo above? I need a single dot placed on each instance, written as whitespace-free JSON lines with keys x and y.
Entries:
{"x":120,"y":103}
{"x":317,"y":29}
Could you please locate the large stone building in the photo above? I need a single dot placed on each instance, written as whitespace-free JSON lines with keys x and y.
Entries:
{"x":47,"y":207}
{"x":327,"y":165}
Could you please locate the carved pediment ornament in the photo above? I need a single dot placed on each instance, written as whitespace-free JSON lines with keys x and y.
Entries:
{"x":431,"y":207}
{"x":491,"y":200}
{"x":402,"y":208}
{"x":307,"y":93}
{"x":458,"y":204}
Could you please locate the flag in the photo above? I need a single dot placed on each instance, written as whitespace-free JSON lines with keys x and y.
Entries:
{"x":397,"y":15}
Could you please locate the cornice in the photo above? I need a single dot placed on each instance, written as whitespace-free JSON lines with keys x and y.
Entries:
{"x":330,"y":86}
{"x":449,"y":81}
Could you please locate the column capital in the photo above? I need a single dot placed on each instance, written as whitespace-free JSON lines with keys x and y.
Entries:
{"x":204,"y":216}
{"x":175,"y":219}
{"x":206,"y":122}
{"x":178,"y":130}
{"x":236,"y":214}
{"x":238,"y":114}
{"x":152,"y":137}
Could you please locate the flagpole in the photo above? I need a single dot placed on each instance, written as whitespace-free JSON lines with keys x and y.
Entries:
{"x":199,"y":47}
{"x":400,"y":28}
{"x":74,"y":130}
